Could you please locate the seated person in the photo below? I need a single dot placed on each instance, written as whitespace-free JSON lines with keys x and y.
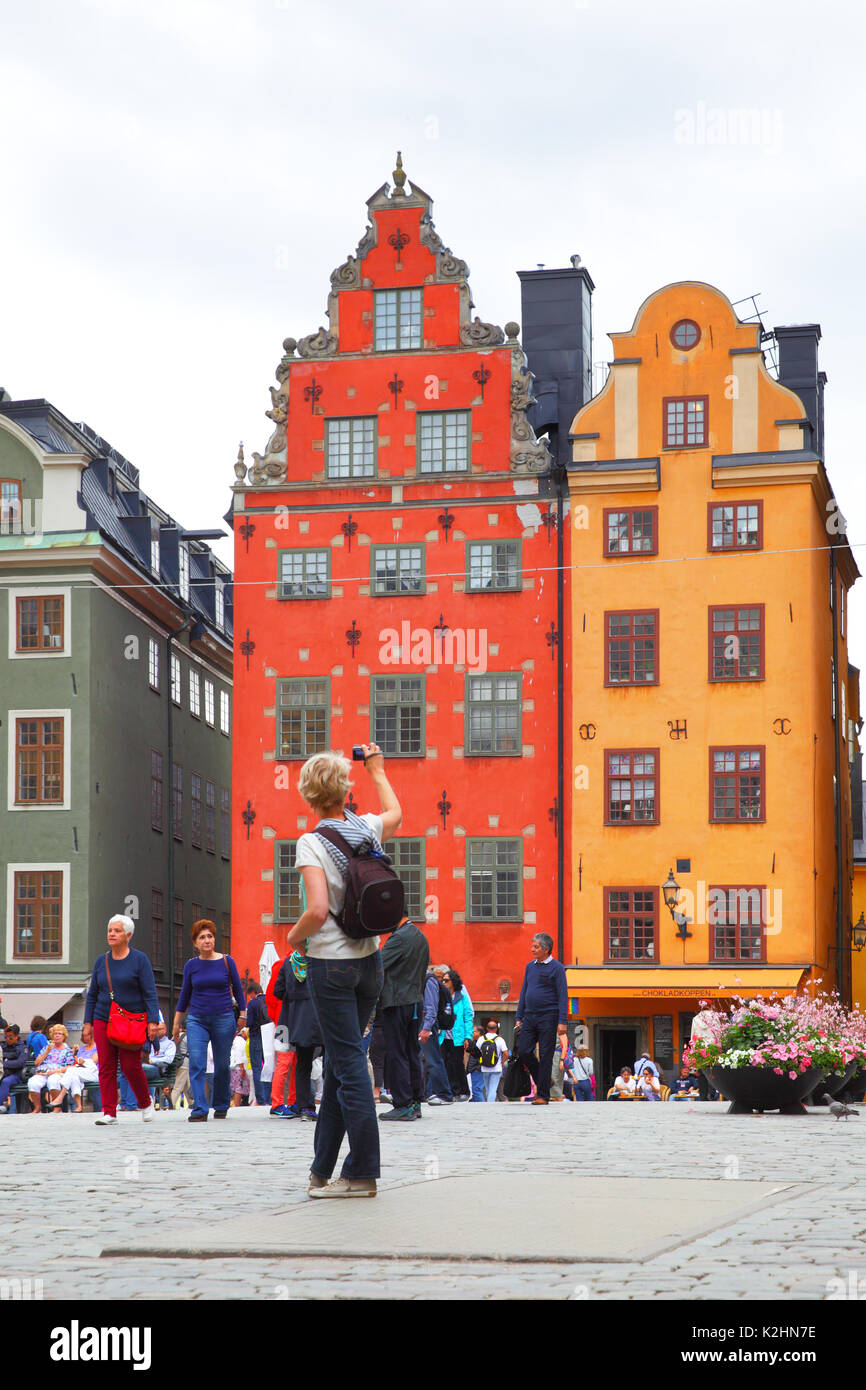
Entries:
{"x":159,"y":1054}
{"x":84,"y":1068}
{"x":645,"y":1061}
{"x":15,"y":1059}
{"x":51,"y":1064}
{"x":37,"y":1038}
{"x":685,"y":1085}
{"x":624,"y":1087}
{"x":649,"y":1085}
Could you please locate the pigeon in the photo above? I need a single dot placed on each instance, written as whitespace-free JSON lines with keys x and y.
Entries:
{"x":837,"y":1109}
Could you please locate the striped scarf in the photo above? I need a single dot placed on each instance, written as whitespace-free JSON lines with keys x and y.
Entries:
{"x":355,"y":832}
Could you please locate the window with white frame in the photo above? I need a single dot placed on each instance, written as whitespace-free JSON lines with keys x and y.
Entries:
{"x":220,"y":605}
{"x":195,"y":694}
{"x":153,"y":664}
{"x":225,"y":712}
{"x":209,"y":703}
{"x":175,"y":679}
{"x":154,"y":551}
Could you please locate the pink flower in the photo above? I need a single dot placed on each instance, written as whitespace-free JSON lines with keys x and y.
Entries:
{"x":777,"y":1070}
{"x":793,"y":1075}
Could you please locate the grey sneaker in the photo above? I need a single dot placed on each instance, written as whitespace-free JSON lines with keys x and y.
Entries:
{"x":346,"y":1187}
{"x":106,"y":1120}
{"x":440,"y":1100}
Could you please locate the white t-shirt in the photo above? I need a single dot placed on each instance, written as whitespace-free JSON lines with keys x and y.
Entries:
{"x":332,"y":943}
{"x":500,"y":1048}
{"x":628,"y":1086}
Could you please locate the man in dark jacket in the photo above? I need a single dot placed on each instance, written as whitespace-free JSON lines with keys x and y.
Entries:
{"x":257,"y":1014}
{"x":405,"y":957}
{"x":14,"y":1061}
{"x":542,"y":1011}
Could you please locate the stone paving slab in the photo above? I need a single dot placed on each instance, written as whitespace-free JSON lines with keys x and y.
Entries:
{"x":500,"y":1217}
{"x":123,"y":1183}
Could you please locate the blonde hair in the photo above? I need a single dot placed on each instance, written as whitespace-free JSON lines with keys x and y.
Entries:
{"x":50,"y":1029}
{"x":324,"y":781}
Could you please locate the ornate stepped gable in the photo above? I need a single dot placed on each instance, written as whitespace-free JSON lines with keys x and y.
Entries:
{"x":527,"y":454}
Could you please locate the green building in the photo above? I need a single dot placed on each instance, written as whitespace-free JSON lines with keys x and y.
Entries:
{"x":116,"y":708}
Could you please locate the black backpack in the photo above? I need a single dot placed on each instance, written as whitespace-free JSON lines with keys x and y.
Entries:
{"x":445,"y":1012}
{"x":488,"y":1052}
{"x":375,"y":899}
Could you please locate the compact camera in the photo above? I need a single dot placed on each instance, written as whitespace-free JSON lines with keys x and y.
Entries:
{"x":358,"y":754}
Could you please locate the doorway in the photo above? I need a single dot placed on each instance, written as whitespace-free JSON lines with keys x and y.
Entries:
{"x":618,"y":1048}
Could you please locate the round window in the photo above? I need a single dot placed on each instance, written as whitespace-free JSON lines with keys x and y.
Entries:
{"x":685,"y":334}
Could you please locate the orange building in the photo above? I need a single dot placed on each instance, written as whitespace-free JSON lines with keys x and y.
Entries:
{"x":711,"y":689}
{"x":396,"y":582}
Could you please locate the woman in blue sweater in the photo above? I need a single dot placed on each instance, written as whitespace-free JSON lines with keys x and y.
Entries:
{"x":208,"y":985}
{"x":133,"y":988}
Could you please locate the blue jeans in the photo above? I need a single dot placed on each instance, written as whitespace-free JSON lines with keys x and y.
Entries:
{"x":218,"y":1030}
{"x":434,"y":1065}
{"x":127,"y":1099}
{"x":583,"y":1090}
{"x":491,"y":1083}
{"x":476,"y":1081}
{"x":257,"y":1061}
{"x":344,"y":993}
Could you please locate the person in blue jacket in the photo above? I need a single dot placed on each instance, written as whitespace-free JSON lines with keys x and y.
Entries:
{"x":209,"y":981}
{"x":542,"y":1012}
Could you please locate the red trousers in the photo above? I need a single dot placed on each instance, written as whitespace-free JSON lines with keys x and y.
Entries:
{"x":284,"y":1070}
{"x":130,"y":1065}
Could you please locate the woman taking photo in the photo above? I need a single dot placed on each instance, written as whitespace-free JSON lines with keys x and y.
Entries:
{"x":206,"y":1000}
{"x":124,"y":976}
{"x":344,"y":976}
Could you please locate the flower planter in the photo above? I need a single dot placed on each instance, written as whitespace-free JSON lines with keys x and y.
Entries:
{"x":760,"y":1088}
{"x":836,"y":1081}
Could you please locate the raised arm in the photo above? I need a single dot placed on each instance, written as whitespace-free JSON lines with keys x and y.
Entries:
{"x":390,"y":809}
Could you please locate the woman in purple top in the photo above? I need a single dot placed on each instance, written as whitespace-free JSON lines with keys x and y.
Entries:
{"x":206,"y":999}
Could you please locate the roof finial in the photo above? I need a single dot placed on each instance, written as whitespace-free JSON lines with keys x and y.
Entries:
{"x":240,"y":466}
{"x":399,"y":178}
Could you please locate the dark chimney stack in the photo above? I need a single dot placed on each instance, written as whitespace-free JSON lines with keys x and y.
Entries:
{"x":798,"y":370}
{"x":556,"y":333}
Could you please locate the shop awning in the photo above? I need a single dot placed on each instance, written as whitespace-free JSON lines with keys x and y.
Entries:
{"x":20,"y":1005}
{"x":703,"y":982}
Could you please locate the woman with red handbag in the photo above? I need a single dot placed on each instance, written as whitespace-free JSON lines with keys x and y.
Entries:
{"x":120,"y":1003}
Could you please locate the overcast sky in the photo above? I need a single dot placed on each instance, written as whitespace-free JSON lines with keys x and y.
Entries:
{"x":181,"y":176}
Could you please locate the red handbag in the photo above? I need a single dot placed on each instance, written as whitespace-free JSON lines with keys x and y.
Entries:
{"x":125,"y":1029}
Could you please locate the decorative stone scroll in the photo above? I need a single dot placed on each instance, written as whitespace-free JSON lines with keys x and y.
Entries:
{"x":320,"y":344}
{"x":478,"y":334}
{"x":528,"y":454}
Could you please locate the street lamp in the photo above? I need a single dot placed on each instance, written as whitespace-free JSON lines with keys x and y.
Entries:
{"x":670,"y":892}
{"x":858,"y":932}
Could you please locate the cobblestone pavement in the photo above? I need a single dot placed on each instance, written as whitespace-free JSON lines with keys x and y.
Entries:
{"x":67,"y":1188}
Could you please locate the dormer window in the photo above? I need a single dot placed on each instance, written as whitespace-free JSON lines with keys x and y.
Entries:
{"x":397,"y":319}
{"x":183,"y":572}
{"x":10,"y":501}
{"x":219,"y":605}
{"x":154,"y":550}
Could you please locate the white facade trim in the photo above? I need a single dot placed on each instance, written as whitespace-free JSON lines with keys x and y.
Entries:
{"x":11,"y":871}
{"x":66,"y":716}
{"x":42,"y":591}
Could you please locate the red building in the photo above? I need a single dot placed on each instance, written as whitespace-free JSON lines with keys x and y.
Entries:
{"x":396,"y":580}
